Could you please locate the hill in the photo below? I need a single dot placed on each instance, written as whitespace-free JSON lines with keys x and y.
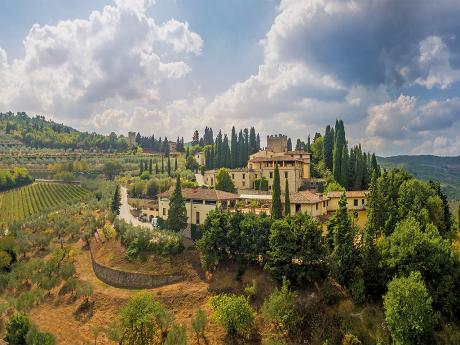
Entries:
{"x":37,"y":132}
{"x":446,"y":170}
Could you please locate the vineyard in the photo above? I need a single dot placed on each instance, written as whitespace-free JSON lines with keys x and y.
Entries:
{"x":26,"y":201}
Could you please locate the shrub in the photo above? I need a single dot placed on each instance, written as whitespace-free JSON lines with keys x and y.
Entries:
{"x":35,"y":337}
{"x":177,"y":335}
{"x":350,"y":339}
{"x":233,"y":313}
{"x":251,"y":291}
{"x":17,"y":328}
{"x":199,"y":323}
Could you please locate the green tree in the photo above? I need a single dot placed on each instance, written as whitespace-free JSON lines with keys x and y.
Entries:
{"x":233,"y":313}
{"x":224,"y":181}
{"x":175,"y":164}
{"x":17,"y":328}
{"x":169,"y":166}
{"x":150,"y":167}
{"x":116,"y":201}
{"x":287,"y":201}
{"x":177,"y":335}
{"x":35,"y":337}
{"x":344,"y":167}
{"x":408,"y":310}
{"x":111,"y":169}
{"x":277,"y":211}
{"x":343,"y":256}
{"x":162,"y":164}
{"x":199,"y":323}
{"x":177,"y":216}
{"x":339,"y":144}
{"x":328,"y":147}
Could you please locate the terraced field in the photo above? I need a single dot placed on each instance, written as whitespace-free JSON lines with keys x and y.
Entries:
{"x":26,"y":201}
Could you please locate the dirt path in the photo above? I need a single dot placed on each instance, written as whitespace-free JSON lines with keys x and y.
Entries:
{"x":125,"y":211}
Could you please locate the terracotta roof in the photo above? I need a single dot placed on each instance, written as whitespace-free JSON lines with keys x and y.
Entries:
{"x":276,"y":159}
{"x":349,"y":194}
{"x":202,"y":194}
{"x":306,"y":197}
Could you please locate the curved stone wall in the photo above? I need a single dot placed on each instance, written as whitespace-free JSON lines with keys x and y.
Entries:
{"x":130,"y":280}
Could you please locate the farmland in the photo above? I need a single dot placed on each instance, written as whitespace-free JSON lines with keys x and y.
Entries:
{"x":26,"y":201}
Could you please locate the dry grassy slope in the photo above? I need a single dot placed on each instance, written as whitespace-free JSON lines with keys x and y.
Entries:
{"x":184,"y":298}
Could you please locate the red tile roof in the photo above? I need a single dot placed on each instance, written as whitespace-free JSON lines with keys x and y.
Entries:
{"x":306,"y":197}
{"x":203,"y":194}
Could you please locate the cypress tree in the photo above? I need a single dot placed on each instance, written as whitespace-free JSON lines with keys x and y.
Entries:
{"x":150,"y":167}
{"x":116,"y":201}
{"x":351,"y":169}
{"x":339,"y":144}
{"x":169,"y":166}
{"x":146,"y":166}
{"x":287,"y":200}
{"x":277,"y":211}
{"x":308,"y":148}
{"x":342,"y":257}
{"x":218,"y":151}
{"x":344,"y":168}
{"x":359,"y":173}
{"x":258,"y":142}
{"x":458,"y":217}
{"x":162,"y":165}
{"x":240,"y":149}
{"x":234,"y":148}
{"x":177,"y":216}
{"x":246,"y":147}
{"x":252,"y":141}
{"x":226,"y":155}
{"x":175,"y":164}
{"x":289,"y":144}
{"x":328,"y":145}
{"x":141,"y":167}
{"x":374,"y":166}
{"x":156,"y":168}
{"x":187,"y":153}
{"x":298,"y":145}
{"x":366,"y":176}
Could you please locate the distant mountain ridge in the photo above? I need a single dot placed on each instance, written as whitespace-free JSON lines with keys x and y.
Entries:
{"x":446,"y":170}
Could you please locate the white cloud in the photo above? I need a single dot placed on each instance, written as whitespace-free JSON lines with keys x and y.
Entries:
{"x":440,"y":145}
{"x":119,"y":55}
{"x":434,"y":63}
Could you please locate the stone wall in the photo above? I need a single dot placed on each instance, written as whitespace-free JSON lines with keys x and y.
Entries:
{"x":131,"y":280}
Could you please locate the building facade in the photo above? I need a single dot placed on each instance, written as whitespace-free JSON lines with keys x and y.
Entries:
{"x":132,"y":138}
{"x":198,"y":203}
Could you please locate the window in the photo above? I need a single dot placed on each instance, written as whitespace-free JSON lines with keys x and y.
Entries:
{"x":316,"y":206}
{"x":244,"y":176}
{"x":198,"y":217}
{"x":244,"y":183}
{"x":355,"y":202}
{"x":233,"y":176}
{"x":297,"y":208}
{"x":210,"y":202}
{"x":256,"y":175}
{"x":271,"y":174}
{"x":362,"y":201}
{"x":286,"y":174}
{"x":197,"y":202}
{"x":164,"y":212}
{"x":212,"y":181}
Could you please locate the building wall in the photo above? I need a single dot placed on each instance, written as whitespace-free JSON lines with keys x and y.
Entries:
{"x":242,"y":179}
{"x":314,"y":210}
{"x":200,"y":158}
{"x":192,"y":208}
{"x":334,"y":204}
{"x":277,"y":143}
{"x":132,"y":138}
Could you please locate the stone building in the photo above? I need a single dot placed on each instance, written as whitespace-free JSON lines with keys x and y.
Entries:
{"x":132,"y":138}
{"x":277,"y":143}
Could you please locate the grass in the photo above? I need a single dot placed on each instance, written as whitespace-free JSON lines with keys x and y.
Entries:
{"x":21,"y":203}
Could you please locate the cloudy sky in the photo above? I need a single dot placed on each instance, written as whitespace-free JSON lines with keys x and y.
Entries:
{"x":389,"y":68}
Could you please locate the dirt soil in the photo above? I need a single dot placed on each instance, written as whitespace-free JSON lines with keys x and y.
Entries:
{"x":184,"y":298}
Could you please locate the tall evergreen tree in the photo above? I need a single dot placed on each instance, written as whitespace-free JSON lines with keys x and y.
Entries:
{"x":169,"y":166}
{"x":252,"y":141}
{"x":187,"y":153}
{"x":245,"y":147}
{"x":226,"y":155}
{"x":162,"y":164}
{"x":175,"y":164}
{"x":116,"y":201}
{"x":258,"y":142}
{"x":344,"y":167}
{"x":328,"y":147}
{"x":343,"y":256}
{"x":287,"y":200}
{"x":308,"y":148}
{"x":351,"y":169}
{"x":240,"y":149}
{"x":146,"y":166}
{"x":177,"y":216}
{"x":339,"y":144}
{"x":195,"y":138}
{"x":289,"y":144}
{"x":299,"y":145}
{"x":150,"y":167}
{"x":277,"y":211}
{"x":447,"y":216}
{"x":141,"y":167}
{"x":156,"y":168}
{"x":374,"y":166}
{"x":218,"y":151}
{"x":234,"y":148}
{"x":359,"y":172}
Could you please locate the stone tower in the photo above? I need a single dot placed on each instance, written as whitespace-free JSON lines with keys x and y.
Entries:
{"x":132,"y":138}
{"x":277,"y":143}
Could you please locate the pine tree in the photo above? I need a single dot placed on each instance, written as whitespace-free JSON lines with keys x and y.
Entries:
{"x":150,"y":167}
{"x":342,"y":257}
{"x":169,"y":166}
{"x":287,"y":200}
{"x":234,"y":148}
{"x":277,"y":212}
{"x":289,"y":144}
{"x":177,"y":216}
{"x":175,"y":164}
{"x":116,"y":201}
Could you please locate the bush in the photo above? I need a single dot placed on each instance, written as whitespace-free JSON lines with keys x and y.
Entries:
{"x":350,"y":339}
{"x":177,"y":335}
{"x":358,"y":290}
{"x":199,"y":323}
{"x":233,"y":313}
{"x":35,"y":337}
{"x":251,"y":291}
{"x":17,"y":329}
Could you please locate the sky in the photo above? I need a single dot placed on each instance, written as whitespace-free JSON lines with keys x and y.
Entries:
{"x":389,"y":68}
